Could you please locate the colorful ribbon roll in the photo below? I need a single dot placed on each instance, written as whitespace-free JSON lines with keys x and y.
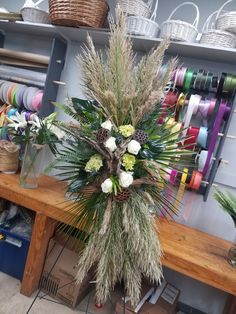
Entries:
{"x":214,"y":136}
{"x":188,"y":80}
{"x":192,"y":108}
{"x":181,"y":189}
{"x":192,"y":135}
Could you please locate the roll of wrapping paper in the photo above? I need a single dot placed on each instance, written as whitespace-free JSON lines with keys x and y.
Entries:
{"x":20,"y":80}
{"x":23,"y":63}
{"x":24,"y":56}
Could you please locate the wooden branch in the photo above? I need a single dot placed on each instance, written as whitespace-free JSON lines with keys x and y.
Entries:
{"x":141,"y":181}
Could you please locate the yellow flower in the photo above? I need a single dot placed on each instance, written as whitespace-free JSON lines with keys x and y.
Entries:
{"x":128,"y":161}
{"x":127,"y":130}
{"x":94,"y":163}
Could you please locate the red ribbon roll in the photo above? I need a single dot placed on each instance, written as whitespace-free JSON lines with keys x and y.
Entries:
{"x":192,"y":135}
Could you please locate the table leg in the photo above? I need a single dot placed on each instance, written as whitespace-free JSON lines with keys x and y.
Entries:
{"x":43,"y":231}
{"x":230,"y":306}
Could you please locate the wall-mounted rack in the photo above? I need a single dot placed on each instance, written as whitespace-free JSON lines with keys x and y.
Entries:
{"x":53,"y":69}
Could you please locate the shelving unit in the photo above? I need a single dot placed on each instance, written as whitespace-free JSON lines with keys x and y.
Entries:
{"x":101,"y":37}
{"x":56,"y":62}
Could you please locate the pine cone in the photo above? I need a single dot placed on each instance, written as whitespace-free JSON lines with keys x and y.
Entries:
{"x":123,"y":195}
{"x":140,"y":136}
{"x":102,"y":135}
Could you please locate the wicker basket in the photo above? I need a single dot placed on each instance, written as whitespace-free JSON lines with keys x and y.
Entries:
{"x":214,"y":37}
{"x":78,"y":12}
{"x":9,"y":156}
{"x":138,"y":25}
{"x":226,"y":21}
{"x":179,"y":30}
{"x":35,"y":15}
{"x":136,"y":7}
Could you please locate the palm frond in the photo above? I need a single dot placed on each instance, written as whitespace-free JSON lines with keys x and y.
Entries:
{"x":227,"y":201}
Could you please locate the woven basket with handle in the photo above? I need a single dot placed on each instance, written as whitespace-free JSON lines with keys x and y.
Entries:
{"x":138,"y":25}
{"x":215,"y":37}
{"x":179,"y":30}
{"x":76,"y":13}
{"x":136,"y":7}
{"x":226,"y":21}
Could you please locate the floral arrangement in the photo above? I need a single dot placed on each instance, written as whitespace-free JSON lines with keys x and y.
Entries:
{"x":33,"y":135}
{"x":23,"y":129}
{"x":116,"y":160}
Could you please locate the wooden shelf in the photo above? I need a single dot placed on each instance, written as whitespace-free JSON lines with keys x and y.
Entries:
{"x":186,"y":250}
{"x":101,"y":36}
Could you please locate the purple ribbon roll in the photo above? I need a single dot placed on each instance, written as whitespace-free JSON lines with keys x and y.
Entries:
{"x":214,"y":136}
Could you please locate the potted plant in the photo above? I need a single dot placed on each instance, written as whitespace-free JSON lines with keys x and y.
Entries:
{"x":227,"y":201}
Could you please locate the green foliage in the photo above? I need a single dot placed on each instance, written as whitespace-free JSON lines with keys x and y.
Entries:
{"x":227,"y":201}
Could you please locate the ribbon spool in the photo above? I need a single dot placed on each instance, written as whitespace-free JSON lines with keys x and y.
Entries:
{"x":192,"y":135}
{"x":214,"y":136}
{"x":192,"y":109}
{"x":202,"y":158}
{"x":180,"y":76}
{"x":167,"y":105}
{"x":203,"y":81}
{"x":215,"y":113}
{"x":181,"y":189}
{"x":221,"y":84}
{"x":188,"y":79}
{"x":202,"y":137}
{"x":181,"y":102}
{"x":195,"y":180}
{"x":229,"y":84}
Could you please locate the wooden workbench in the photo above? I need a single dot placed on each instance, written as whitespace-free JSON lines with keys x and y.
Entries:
{"x":186,"y":250}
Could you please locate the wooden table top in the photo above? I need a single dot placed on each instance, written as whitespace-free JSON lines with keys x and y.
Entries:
{"x":191,"y":252}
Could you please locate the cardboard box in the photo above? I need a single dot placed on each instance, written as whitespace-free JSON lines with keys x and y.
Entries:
{"x":60,"y":283}
{"x":166,"y":303}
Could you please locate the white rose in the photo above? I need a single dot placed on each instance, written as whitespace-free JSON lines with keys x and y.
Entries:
{"x":107,"y":186}
{"x":125,"y":179}
{"x":134,"y":147}
{"x":107,"y":125}
{"x":111,"y":144}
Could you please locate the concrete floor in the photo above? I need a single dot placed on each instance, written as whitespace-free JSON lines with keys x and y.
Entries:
{"x":12,"y":302}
